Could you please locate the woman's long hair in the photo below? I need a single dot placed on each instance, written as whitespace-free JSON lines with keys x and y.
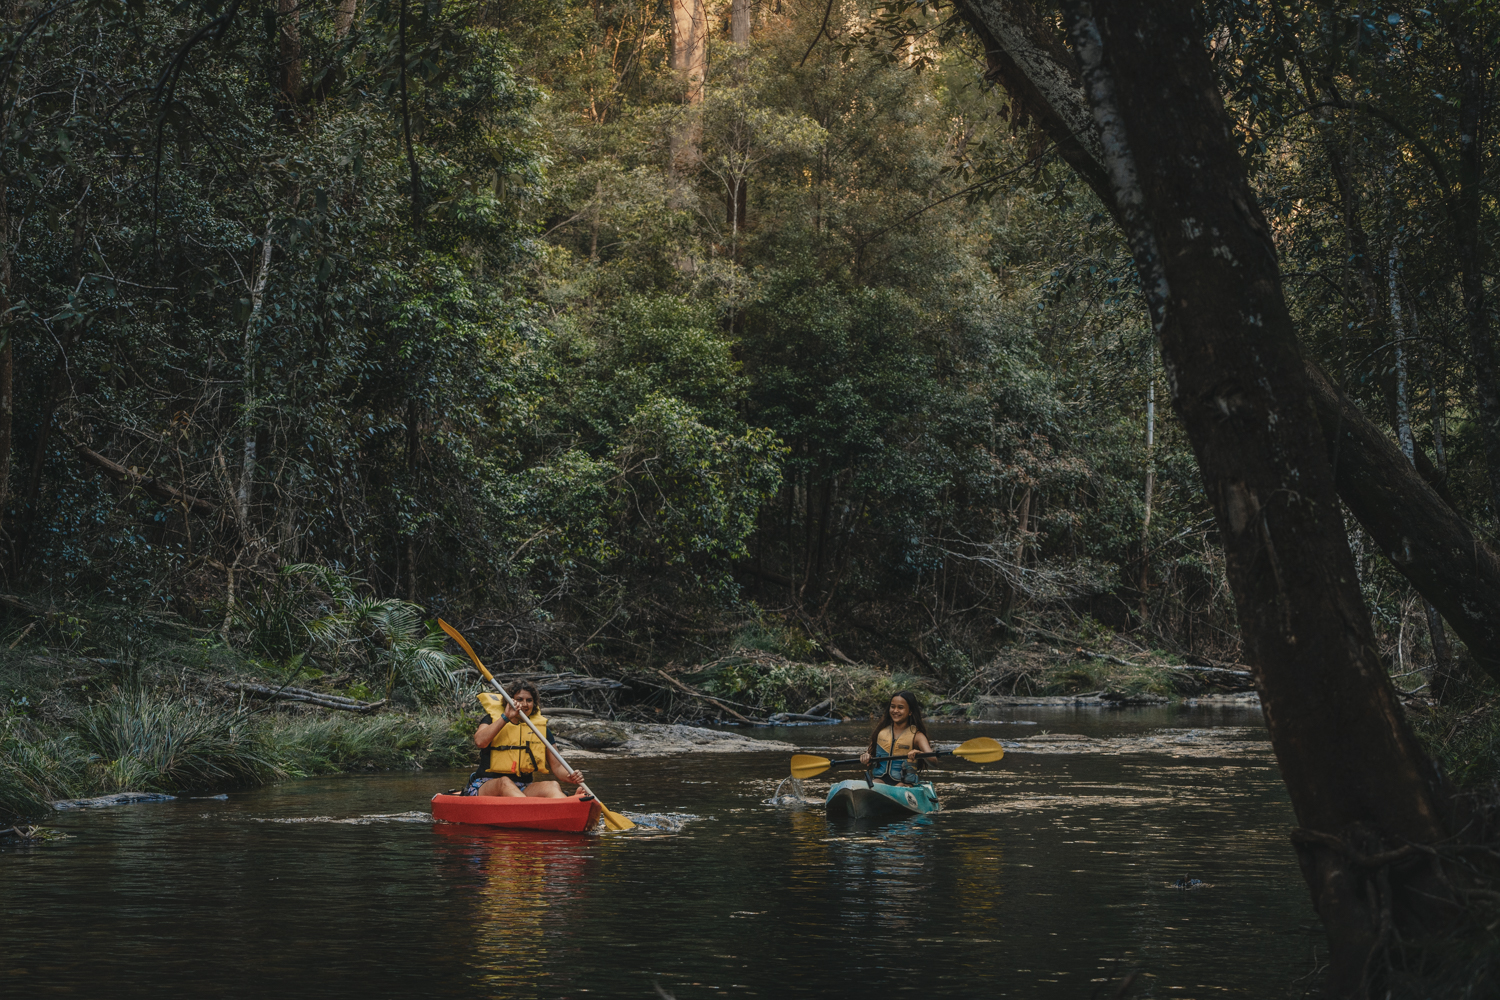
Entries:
{"x":529,"y":688}
{"x":914,"y":719}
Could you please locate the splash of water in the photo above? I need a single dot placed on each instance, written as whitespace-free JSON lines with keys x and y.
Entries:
{"x":793,"y":797}
{"x":661,"y":822}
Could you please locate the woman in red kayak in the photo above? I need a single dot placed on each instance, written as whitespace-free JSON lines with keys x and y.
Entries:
{"x":510,"y":755}
{"x":899,"y":734}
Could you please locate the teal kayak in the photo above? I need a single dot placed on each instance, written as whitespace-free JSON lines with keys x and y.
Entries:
{"x":858,"y":799}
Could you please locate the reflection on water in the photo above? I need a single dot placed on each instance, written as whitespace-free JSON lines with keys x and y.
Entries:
{"x":1047,"y":875}
{"x":527,"y":883}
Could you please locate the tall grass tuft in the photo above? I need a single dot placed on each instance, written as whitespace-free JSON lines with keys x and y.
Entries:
{"x":342,"y":743}
{"x":138,"y":741}
{"x":33,"y":771}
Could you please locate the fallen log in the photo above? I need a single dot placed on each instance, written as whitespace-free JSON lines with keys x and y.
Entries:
{"x":117,"y":799}
{"x":1215,"y":670}
{"x":703,"y":697}
{"x":550,"y":683}
{"x":156,"y":488}
{"x":570,"y":684}
{"x":334,"y":701}
{"x":21,"y":605}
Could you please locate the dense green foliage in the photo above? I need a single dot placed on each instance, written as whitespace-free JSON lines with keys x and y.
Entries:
{"x":316,"y":322}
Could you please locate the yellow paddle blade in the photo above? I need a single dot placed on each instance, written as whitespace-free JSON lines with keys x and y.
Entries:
{"x":982,"y":750}
{"x":466,"y":647}
{"x":614,"y":820}
{"x":806,"y":765}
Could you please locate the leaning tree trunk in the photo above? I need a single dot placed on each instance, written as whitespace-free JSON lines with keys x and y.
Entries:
{"x":1358,"y":780}
{"x":1429,"y":543}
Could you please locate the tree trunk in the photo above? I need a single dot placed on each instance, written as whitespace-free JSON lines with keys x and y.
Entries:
{"x":1438,"y":675}
{"x":690,"y":60}
{"x":7,"y":354}
{"x":1425,"y":539}
{"x":413,"y":457}
{"x":343,"y":17}
{"x":1023,"y":54}
{"x":1434,"y":548}
{"x":1357,"y":778}
{"x":1466,"y":31}
{"x":412,"y":165}
{"x":288,"y":55}
{"x":247,"y":362}
{"x":734,"y":211}
{"x":55,"y":385}
{"x":1150,"y":478}
{"x":739,"y":22}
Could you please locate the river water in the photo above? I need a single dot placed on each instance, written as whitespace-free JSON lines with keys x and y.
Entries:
{"x":1048,"y":874}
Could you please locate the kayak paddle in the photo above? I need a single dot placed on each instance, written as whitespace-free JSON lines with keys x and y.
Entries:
{"x":613,"y":820}
{"x":981,"y":750}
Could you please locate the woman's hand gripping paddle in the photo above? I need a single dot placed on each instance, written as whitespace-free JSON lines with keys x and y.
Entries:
{"x":613,"y":820}
{"x":982,"y":750}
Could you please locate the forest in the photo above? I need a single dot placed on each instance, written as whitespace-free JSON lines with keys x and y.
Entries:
{"x":758,"y":352}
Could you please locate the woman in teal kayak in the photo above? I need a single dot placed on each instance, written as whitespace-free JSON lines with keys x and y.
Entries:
{"x":510,"y":756}
{"x":899,"y":734}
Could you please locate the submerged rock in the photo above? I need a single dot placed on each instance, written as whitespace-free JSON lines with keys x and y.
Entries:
{"x":1132,"y":698}
{"x":117,"y":799}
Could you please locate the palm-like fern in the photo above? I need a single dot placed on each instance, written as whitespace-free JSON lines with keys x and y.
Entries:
{"x":385,"y":636}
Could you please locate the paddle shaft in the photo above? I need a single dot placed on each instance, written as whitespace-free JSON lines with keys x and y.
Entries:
{"x":856,"y":760}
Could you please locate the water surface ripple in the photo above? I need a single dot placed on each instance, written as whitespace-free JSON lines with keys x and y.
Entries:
{"x":1048,"y":875}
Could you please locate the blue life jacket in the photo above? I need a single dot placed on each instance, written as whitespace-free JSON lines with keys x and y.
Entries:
{"x":898,"y":769}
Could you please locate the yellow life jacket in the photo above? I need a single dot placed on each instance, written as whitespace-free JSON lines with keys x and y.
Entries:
{"x":889,"y":745}
{"x":515,"y":748}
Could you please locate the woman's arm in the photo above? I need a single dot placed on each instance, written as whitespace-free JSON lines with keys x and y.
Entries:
{"x":555,"y":765}
{"x":487,"y":731}
{"x":919,"y":744}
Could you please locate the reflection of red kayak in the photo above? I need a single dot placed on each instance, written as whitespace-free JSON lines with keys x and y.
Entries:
{"x":573,"y":814}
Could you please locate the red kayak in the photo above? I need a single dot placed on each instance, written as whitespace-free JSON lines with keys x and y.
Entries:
{"x":573,"y":814}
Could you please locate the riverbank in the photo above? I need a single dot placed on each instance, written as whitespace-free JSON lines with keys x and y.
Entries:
{"x":201,"y":720}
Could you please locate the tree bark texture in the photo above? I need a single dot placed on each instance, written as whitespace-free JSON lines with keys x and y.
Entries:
{"x":739,"y":22}
{"x":1466,"y":30}
{"x":1358,"y":780}
{"x":690,"y":47}
{"x":288,"y":53}
{"x":247,"y":361}
{"x":1024,"y":56}
{"x":7,"y":355}
{"x":1431,"y":545}
{"x":343,"y":17}
{"x":690,"y":60}
{"x":1441,"y":555}
{"x":411,"y":154}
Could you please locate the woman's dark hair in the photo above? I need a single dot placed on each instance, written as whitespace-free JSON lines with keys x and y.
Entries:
{"x":529,"y":688}
{"x":914,"y":719}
